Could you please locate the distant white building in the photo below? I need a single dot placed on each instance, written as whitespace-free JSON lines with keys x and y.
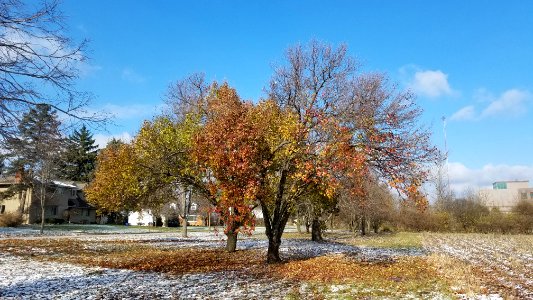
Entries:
{"x":504,"y":195}
{"x":198,"y":216}
{"x":143,"y":217}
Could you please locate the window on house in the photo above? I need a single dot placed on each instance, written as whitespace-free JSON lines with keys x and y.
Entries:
{"x":2,"y":209}
{"x":73,"y":193}
{"x":87,"y":212}
{"x":51,"y":210}
{"x":523,"y":196}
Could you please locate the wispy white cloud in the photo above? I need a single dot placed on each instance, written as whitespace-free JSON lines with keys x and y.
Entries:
{"x":431,"y":83}
{"x":102,"y":139}
{"x":87,"y":69}
{"x":465,"y":113}
{"x":132,"y":76}
{"x":131,"y":111}
{"x":511,"y":103}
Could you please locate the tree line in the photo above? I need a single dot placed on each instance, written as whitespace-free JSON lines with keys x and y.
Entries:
{"x":321,"y":134}
{"x":38,"y":153}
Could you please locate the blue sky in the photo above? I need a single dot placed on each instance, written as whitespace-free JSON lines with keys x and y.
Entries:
{"x":470,"y":61}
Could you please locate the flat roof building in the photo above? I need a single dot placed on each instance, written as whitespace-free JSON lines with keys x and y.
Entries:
{"x":505,"y":195}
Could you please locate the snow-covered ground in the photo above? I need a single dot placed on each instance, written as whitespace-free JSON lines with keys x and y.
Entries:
{"x":25,"y":278}
{"x":505,"y":260}
{"x":72,"y":230}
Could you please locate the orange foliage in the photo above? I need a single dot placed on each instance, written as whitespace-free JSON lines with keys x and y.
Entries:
{"x":231,"y":148}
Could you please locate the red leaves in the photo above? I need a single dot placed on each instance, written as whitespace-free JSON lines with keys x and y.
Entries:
{"x":232,"y":148}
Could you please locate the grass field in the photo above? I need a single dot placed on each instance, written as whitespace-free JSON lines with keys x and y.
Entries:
{"x":387,"y":266}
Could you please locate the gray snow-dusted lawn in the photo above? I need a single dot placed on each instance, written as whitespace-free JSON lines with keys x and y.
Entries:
{"x":506,"y":261}
{"x":40,"y":273}
{"x":26,"y":278}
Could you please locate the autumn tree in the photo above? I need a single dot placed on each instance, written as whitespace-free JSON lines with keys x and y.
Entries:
{"x":146,"y":173}
{"x":115,"y":186}
{"x":351,"y":123}
{"x":374,"y":206}
{"x":164,"y":148}
{"x":235,"y":154}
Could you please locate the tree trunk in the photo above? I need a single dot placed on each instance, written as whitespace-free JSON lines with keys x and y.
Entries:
{"x":375,"y":226}
{"x":363,"y":225}
{"x":275,"y":221}
{"x":22,"y":202}
{"x":184,"y":229}
{"x":298,"y":223}
{"x":273,"y":249}
{"x":231,"y":243}
{"x":316,"y":232}
{"x":307,"y":224}
{"x":43,"y":190}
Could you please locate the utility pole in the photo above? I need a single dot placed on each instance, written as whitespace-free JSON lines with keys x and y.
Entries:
{"x":446,"y":151}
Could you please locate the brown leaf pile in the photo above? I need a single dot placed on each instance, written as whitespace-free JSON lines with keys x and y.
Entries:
{"x":339,"y":268}
{"x":177,"y":261}
{"x":134,"y":256}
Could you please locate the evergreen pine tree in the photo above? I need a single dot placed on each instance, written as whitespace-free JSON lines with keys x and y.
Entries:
{"x":80,"y":157}
{"x":37,"y":149}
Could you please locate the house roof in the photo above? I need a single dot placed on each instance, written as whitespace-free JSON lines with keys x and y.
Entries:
{"x":11,"y":180}
{"x":64,"y":184}
{"x":7,"y":179}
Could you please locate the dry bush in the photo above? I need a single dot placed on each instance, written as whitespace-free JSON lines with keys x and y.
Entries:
{"x":524,"y":216}
{"x":10,"y":220}
{"x":413,"y":219}
{"x":497,"y":222}
{"x":443,"y":221}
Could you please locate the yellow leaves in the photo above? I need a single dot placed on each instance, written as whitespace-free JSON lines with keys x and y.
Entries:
{"x":115,"y":187}
{"x":279,"y":128}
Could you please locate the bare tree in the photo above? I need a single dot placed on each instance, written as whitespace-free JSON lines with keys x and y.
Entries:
{"x":187,"y":96}
{"x":38,"y":63}
{"x":443,"y":193}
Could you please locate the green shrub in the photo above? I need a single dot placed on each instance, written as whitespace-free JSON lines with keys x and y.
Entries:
{"x":10,"y":220}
